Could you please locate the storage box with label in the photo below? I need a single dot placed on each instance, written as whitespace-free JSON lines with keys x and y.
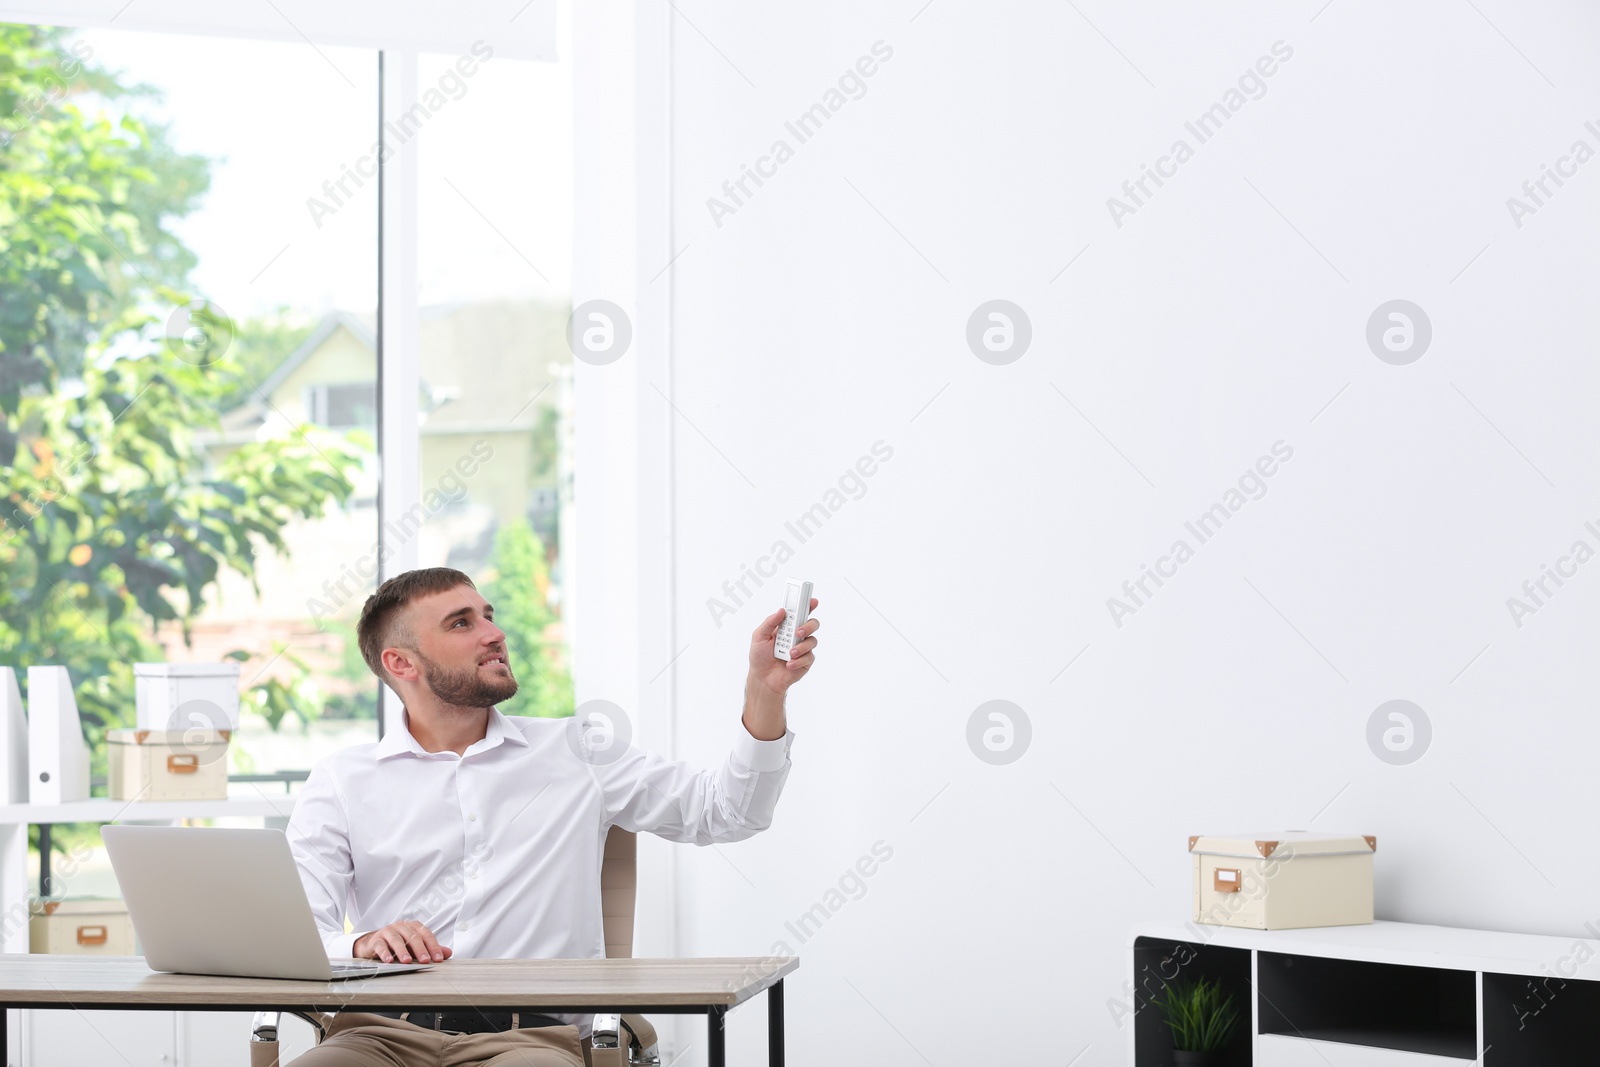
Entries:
{"x":168,"y":764}
{"x":81,"y":928}
{"x":1283,"y":880}
{"x":186,"y":696}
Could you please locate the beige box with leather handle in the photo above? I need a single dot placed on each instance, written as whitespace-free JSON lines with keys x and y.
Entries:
{"x":1283,"y":880}
{"x":81,"y":928}
{"x":168,"y":764}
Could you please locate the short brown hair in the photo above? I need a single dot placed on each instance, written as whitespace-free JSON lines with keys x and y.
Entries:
{"x":379,"y":627}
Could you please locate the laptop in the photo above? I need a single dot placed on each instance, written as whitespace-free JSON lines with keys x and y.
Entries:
{"x":224,"y":901}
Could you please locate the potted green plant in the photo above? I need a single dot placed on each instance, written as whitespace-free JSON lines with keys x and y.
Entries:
{"x":1202,"y":1019}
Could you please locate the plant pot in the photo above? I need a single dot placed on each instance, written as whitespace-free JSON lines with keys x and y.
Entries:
{"x":1181,"y":1058}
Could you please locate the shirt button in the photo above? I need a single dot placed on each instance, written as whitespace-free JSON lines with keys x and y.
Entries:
{"x":461,"y":928}
{"x":472,"y":874}
{"x":473,"y":817}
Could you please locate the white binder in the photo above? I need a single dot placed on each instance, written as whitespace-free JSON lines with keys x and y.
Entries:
{"x":13,"y":741}
{"x":58,"y":760}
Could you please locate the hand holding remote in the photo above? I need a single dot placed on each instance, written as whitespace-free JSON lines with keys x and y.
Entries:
{"x":782,"y":648}
{"x":771,"y":675}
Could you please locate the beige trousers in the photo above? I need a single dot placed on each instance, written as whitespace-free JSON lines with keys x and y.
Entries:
{"x":357,"y":1039}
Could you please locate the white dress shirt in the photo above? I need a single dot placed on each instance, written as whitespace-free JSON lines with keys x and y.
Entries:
{"x":498,"y":851}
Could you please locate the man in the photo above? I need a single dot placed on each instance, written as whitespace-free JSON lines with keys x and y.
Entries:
{"x":465,"y":832}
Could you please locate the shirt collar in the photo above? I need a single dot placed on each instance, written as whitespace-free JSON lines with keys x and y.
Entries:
{"x":501,"y":730}
{"x":399,"y":742}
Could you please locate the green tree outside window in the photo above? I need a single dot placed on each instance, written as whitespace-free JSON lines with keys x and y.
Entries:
{"x":112,"y":521}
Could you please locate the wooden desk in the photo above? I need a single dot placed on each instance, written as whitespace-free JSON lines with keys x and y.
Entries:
{"x":647,"y":986}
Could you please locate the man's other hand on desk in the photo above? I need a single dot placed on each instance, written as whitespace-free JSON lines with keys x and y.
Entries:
{"x":400,"y":942}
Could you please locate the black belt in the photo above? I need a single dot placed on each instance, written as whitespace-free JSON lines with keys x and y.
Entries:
{"x":473,"y":1022}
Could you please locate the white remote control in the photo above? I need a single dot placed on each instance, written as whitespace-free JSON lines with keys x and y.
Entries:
{"x":796,"y":608}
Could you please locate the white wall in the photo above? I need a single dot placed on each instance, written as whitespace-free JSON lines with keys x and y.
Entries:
{"x":1224,"y":316}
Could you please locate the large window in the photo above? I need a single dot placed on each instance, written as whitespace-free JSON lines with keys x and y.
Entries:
{"x":191,"y":316}
{"x":495,"y":230}
{"x":188,"y":364}
{"x":189,"y":426}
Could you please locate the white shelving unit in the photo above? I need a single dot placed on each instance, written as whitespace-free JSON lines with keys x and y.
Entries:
{"x":159,"y":1039}
{"x":1387,"y":994}
{"x":101,"y":809}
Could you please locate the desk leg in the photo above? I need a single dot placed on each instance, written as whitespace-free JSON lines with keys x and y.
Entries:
{"x":775,"y":1024}
{"x":716,"y":1020}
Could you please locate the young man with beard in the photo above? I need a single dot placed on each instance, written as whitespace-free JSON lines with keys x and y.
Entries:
{"x":465,"y":832}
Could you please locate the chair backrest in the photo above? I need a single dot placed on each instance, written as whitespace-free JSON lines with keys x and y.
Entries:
{"x":619,"y":880}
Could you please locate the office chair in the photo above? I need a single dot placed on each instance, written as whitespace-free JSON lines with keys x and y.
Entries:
{"x":617,"y":1040}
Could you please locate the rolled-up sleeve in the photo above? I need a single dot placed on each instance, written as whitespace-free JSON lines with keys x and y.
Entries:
{"x":319,"y":838}
{"x":643,"y":791}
